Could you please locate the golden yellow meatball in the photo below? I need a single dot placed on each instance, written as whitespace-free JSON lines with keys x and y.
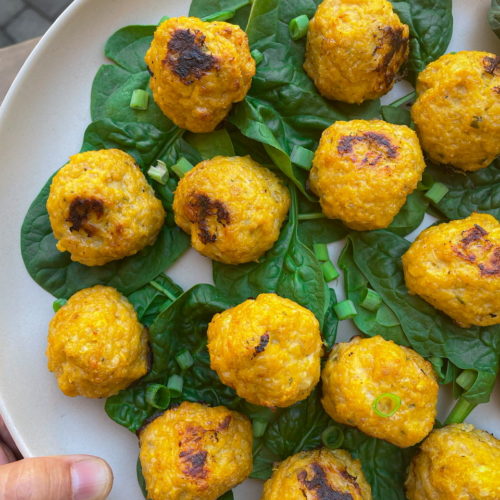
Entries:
{"x":96,"y":345}
{"x":319,"y":474}
{"x":457,"y":462}
{"x":267,"y":349}
{"x":194,"y":452}
{"x":456,"y":268}
{"x":101,"y":208}
{"x":458,"y":107}
{"x":385,"y":390}
{"x":199,"y":70}
{"x":364,"y":170}
{"x":232,"y":207}
{"x":355,"y":48}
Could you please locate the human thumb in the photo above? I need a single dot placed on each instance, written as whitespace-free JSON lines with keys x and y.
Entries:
{"x":71,"y":477}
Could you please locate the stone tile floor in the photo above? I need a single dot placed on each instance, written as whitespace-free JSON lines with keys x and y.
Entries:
{"x":24,"y":19}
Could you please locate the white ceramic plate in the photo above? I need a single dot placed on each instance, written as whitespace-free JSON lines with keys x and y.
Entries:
{"x":41,"y":124}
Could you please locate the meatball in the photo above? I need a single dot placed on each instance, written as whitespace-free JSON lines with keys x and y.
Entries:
{"x":96,"y":345}
{"x":101,"y":208}
{"x":456,"y":268}
{"x":198,"y":70}
{"x":267,"y":349}
{"x":322,"y":474}
{"x":457,"y":462}
{"x":355,"y":49}
{"x":232,"y":207}
{"x":457,"y":109}
{"x":385,"y":390}
{"x":364,"y":170}
{"x":194,"y":452}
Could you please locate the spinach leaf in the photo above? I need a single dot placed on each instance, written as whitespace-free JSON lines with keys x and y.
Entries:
{"x":59,"y":275}
{"x":203,"y":8}
{"x":154,"y":298}
{"x":182,"y":325}
{"x":411,"y":214}
{"x":289,"y":269}
{"x":377,"y":257}
{"x":469,"y":192}
{"x":217,"y":143}
{"x":331,"y":323}
{"x":494,"y":17}
{"x":398,"y":115}
{"x":431,"y":27}
{"x":299,"y":428}
{"x":128,"y":46}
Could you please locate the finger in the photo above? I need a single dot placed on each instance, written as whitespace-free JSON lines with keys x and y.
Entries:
{"x":75,"y":477}
{"x":6,"y":454}
{"x":7,"y":438}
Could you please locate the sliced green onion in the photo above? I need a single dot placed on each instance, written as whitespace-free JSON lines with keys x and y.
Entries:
{"x":437,"y":192}
{"x":57,"y":304}
{"x":330,"y":272}
{"x":321,"y":252}
{"x":466,"y":379}
{"x":395,"y":404}
{"x":332,"y":437}
{"x":182,"y":167}
{"x":371,"y":300}
{"x":223,"y":15}
{"x":302,"y":157}
{"x":298,"y":27}
{"x":259,"y":427}
{"x":158,"y":396}
{"x":184,"y":359}
{"x":257,"y":55}
{"x":460,"y":412}
{"x":175,"y":384}
{"x":163,"y":19}
{"x":159,"y":172}
{"x":140,"y":100}
{"x":345,"y":309}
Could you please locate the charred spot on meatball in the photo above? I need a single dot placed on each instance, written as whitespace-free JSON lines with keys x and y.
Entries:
{"x":379,"y":147}
{"x":201,"y":207}
{"x":491,"y":64}
{"x":79,"y":211}
{"x":187,"y":55}
{"x":261,"y":347}
{"x":319,"y":484}
{"x":398,"y":43}
{"x":195,"y":463}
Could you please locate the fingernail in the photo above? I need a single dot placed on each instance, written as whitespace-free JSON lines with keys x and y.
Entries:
{"x":91,"y":479}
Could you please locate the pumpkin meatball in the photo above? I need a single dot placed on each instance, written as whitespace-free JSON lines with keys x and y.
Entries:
{"x":194,"y":452}
{"x":385,"y":390}
{"x":101,"y":208}
{"x":96,"y":345}
{"x":198,"y":70}
{"x":457,"y":109}
{"x":457,"y":462}
{"x":364,"y":170}
{"x":232,"y":207}
{"x":456,"y":268}
{"x":267,"y":349}
{"x":355,"y":49}
{"x":319,"y":474}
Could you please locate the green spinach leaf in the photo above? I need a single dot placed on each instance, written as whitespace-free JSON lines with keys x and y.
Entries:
{"x":431,"y":27}
{"x":289,"y":269}
{"x":203,"y":8}
{"x":182,"y":325}
{"x":59,"y":275}
{"x":468,"y":192}
{"x":153,"y":298}
{"x":411,"y":214}
{"x":377,"y":257}
{"x":494,"y":17}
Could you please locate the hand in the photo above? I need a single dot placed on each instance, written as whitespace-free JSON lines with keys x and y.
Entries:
{"x":70,"y":477}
